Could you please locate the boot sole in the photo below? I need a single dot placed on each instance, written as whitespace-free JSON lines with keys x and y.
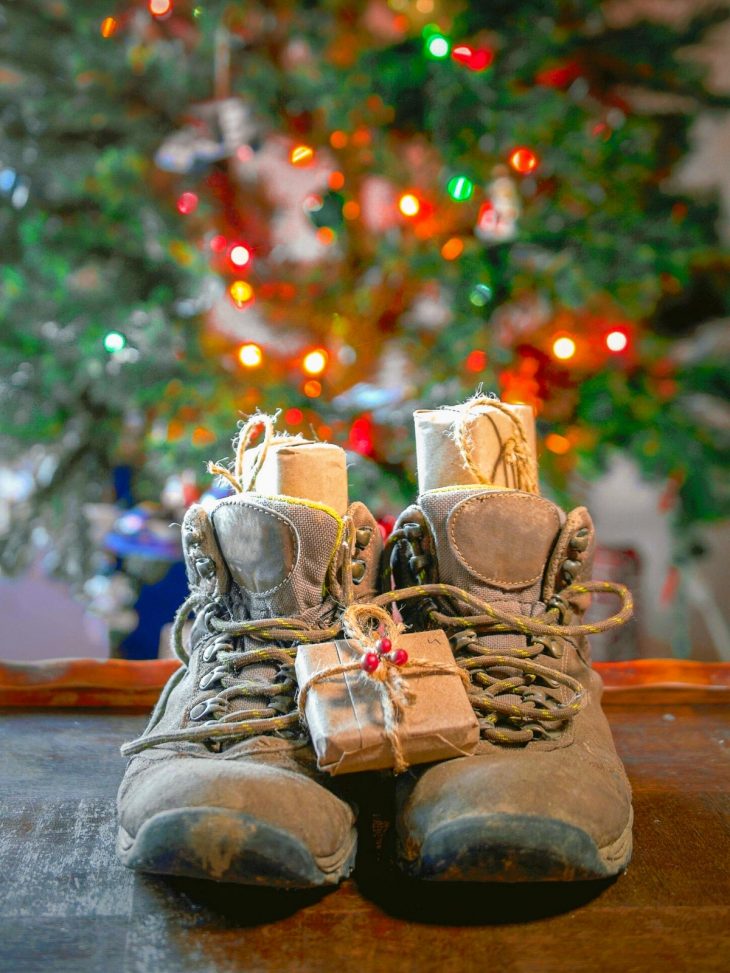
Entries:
{"x":229,"y":846}
{"x":516,"y":848}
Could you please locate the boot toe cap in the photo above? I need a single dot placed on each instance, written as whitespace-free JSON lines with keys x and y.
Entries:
{"x":233,"y":820}
{"x":518,"y":816}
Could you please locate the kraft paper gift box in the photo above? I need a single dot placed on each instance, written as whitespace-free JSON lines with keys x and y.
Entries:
{"x":439,"y":460}
{"x":295,"y":467}
{"x":345,"y":713}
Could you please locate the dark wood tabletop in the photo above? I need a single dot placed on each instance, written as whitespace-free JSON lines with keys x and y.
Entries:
{"x":66,"y":904}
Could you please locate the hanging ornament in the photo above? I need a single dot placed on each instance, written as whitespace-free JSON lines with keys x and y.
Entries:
{"x":214,"y":130}
{"x":378,"y":204}
{"x":498,"y":215}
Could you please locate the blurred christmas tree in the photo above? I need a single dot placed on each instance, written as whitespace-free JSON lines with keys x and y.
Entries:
{"x":348,"y":209}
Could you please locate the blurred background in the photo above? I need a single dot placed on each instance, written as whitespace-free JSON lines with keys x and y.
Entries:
{"x":346,"y":211}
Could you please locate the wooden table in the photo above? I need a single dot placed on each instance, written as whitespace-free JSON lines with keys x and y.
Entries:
{"x":66,"y":904}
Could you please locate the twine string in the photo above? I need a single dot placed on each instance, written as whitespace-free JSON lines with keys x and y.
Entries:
{"x":248,"y":433}
{"x":387,"y":679}
{"x":515,"y":451}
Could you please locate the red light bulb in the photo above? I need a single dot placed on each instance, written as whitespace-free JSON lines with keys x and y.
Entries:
{"x":187,"y":203}
{"x":523,"y":160}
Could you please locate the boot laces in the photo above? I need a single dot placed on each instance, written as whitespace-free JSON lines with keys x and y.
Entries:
{"x":227,"y":652}
{"x":516,"y":697}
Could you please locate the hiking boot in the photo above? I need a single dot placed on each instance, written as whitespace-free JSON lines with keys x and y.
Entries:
{"x":505,"y":573}
{"x":223,"y":782}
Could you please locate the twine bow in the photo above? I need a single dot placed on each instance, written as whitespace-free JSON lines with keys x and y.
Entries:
{"x":515,"y":451}
{"x":249,"y":431}
{"x":381,"y":664}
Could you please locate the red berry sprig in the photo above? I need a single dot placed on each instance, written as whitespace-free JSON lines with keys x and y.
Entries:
{"x":383,"y":649}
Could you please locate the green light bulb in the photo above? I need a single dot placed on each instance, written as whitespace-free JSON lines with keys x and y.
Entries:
{"x":114,"y":341}
{"x":480,"y":295}
{"x":460,"y":188}
{"x":437,"y":47}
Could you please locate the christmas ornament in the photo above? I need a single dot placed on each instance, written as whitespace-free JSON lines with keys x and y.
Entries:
{"x":497,"y":220}
{"x":215,"y":130}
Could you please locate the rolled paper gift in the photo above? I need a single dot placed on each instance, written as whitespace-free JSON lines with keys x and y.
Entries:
{"x":483,"y":441}
{"x":294,"y":467}
{"x":345,"y":711}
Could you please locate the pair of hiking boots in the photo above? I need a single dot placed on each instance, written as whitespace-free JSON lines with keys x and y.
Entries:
{"x":223,"y":784}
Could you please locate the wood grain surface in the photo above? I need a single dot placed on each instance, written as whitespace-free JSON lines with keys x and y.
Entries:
{"x":66,"y":904}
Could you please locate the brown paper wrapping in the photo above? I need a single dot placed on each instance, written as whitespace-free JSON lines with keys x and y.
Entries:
{"x":345,"y":713}
{"x":440,"y":463}
{"x":303,"y":469}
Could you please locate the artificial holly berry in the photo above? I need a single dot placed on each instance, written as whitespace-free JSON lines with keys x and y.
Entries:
{"x":383,"y":646}
{"x":399,"y":657}
{"x":370,"y":662}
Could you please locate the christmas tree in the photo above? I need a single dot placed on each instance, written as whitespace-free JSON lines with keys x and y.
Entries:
{"x":347,"y":210}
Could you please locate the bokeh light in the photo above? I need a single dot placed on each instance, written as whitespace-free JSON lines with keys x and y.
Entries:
{"x":617,"y":341}
{"x":409,"y":204}
{"x":315,"y":361}
{"x":563,"y":348}
{"x":114,"y":341}
{"x":241,"y":293}
{"x":250,"y":355}
{"x":523,"y":160}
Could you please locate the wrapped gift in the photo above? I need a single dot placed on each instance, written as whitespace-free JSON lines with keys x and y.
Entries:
{"x":295,"y":467}
{"x":369,"y":712}
{"x":481,"y":441}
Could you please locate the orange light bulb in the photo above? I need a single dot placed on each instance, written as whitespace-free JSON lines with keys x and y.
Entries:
{"x":563,"y":348}
{"x":301,"y":155}
{"x":409,"y":205}
{"x":315,"y":362}
{"x":250,"y":355}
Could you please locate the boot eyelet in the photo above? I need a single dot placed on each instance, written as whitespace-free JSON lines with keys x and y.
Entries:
{"x":358,"y":571}
{"x":211,"y":678}
{"x":363,"y":536}
{"x":579,"y":542}
{"x":210,"y":652}
{"x":413,"y":532}
{"x":209,"y":707}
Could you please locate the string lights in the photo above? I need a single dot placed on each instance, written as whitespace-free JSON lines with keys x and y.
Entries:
{"x":523,"y":160}
{"x":564,"y":348}
{"x":250,"y":355}
{"x":409,"y":204}
{"x":315,"y":361}
{"x":241,"y":293}
{"x":187,"y":203}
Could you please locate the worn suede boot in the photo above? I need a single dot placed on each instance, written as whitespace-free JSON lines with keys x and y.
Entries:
{"x":223,"y":783}
{"x":505,"y":573}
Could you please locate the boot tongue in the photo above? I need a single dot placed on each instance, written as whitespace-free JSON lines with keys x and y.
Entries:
{"x":492,"y":542}
{"x":278,"y":551}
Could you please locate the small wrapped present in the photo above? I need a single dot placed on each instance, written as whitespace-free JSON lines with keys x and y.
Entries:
{"x":481,"y":441}
{"x":373,"y":704}
{"x":296,"y":467}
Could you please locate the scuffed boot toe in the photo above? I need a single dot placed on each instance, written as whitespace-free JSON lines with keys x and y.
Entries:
{"x":248,"y":823}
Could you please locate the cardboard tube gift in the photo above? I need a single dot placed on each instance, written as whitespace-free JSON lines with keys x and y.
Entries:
{"x":295,"y":467}
{"x":385,"y":705}
{"x":482,"y":441}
